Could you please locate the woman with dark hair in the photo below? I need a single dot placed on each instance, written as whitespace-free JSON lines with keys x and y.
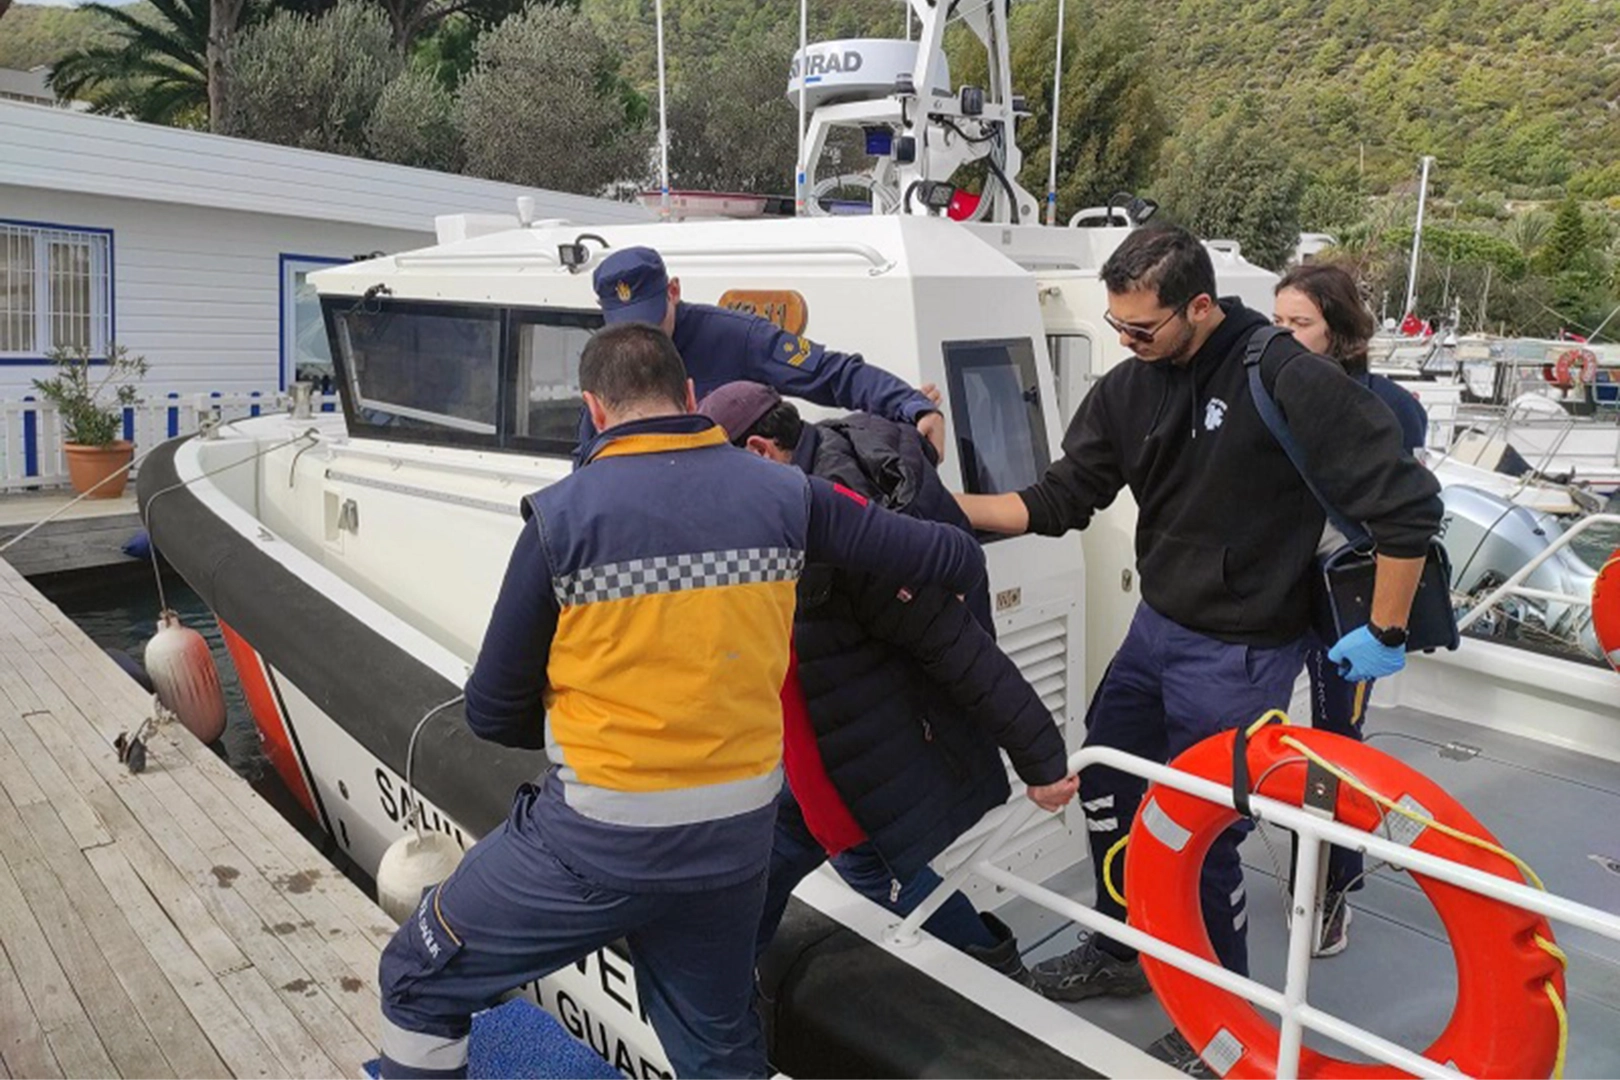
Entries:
{"x":1320,"y":303}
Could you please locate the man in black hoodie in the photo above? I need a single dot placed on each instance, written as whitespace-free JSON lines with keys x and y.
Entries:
{"x":1226,"y":535}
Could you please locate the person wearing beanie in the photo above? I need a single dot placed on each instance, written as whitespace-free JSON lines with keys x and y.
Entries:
{"x":898,"y":701}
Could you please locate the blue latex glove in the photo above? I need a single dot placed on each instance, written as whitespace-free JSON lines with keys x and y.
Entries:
{"x":1362,"y":657}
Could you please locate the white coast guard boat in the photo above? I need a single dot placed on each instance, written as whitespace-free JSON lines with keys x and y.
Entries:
{"x":354,"y":559}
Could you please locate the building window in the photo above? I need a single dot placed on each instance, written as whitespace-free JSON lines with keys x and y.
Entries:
{"x":55,"y":289}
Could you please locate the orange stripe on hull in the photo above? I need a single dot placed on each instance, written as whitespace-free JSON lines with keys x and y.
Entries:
{"x":268,"y":719}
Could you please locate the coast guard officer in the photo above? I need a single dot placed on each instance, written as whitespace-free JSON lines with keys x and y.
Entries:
{"x":721,"y":346}
{"x":641,"y":636}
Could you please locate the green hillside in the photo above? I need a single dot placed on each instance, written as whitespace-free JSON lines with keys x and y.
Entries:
{"x":1513,"y":96}
{"x":1517,"y":98}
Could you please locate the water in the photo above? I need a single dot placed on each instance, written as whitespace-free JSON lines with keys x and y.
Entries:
{"x":1596,"y":544}
{"x":117,"y":607}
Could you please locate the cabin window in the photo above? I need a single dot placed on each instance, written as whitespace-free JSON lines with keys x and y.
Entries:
{"x":55,"y":289}
{"x":306,"y":353}
{"x":996,"y":406}
{"x":547,"y":403}
{"x":419,"y":371}
{"x":1071,"y":370}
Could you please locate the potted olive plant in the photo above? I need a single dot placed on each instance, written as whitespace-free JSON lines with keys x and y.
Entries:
{"x":91,"y":404}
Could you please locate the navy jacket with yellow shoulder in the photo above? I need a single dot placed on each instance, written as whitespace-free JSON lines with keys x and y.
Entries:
{"x":641,"y":634}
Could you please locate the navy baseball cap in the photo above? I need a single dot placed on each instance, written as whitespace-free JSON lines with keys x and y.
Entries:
{"x":738,"y":406}
{"x":632,"y":286}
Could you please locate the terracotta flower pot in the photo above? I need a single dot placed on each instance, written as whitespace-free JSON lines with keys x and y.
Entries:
{"x":88,"y":465}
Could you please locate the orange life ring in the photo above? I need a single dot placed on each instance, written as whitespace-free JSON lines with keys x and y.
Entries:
{"x":1606,"y":609}
{"x":1506,"y":1022}
{"x":1575,"y":367}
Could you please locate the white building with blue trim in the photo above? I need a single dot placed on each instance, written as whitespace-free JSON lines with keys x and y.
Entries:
{"x":190,"y":248}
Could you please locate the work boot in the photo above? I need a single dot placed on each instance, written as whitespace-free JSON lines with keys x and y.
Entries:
{"x":1087,"y":972}
{"x":1178,"y":1053}
{"x":1002,"y":957}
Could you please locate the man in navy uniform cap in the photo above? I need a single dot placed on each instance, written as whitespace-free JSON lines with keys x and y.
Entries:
{"x":721,"y":346}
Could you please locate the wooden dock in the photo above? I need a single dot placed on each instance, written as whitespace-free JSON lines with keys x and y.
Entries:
{"x":87,"y":535}
{"x":167,"y":924}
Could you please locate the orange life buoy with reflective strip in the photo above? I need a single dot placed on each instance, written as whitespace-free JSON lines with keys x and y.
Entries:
{"x":1575,"y":367}
{"x":1508,"y":1020}
{"x":1606,"y":609}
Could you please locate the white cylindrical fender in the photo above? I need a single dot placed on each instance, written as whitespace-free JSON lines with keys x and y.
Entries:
{"x":184,"y":676}
{"x":411,"y":864}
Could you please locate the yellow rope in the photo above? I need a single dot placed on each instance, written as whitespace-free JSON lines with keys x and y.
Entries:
{"x":1456,"y":834}
{"x":1108,"y":862}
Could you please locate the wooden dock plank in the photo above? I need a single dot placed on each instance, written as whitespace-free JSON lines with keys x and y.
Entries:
{"x":63,"y":794}
{"x":49,"y":995}
{"x":232,"y":946}
{"x":317,"y":952}
{"x":294,"y":1047}
{"x":180,"y":1039}
{"x":116,"y":1022}
{"x":259,"y":831}
{"x":226,"y":882}
{"x":245,"y":1054}
{"x":23,"y":1048}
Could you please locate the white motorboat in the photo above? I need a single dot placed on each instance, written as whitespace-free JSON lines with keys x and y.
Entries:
{"x":354,"y":559}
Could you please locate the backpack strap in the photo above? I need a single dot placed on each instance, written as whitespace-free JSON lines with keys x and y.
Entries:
{"x":1253,"y":356}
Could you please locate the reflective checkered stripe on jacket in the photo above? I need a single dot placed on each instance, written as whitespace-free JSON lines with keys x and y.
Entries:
{"x":672,"y":641}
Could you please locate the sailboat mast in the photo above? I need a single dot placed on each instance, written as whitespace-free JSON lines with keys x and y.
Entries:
{"x":663,"y":121}
{"x":1057,"y":91}
{"x":1417,"y":238}
{"x":799,"y":171}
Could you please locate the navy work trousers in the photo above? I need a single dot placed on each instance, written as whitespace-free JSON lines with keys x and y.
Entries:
{"x":515,"y":911}
{"x":1337,"y":706}
{"x":1167,"y":688}
{"x":795,"y":853}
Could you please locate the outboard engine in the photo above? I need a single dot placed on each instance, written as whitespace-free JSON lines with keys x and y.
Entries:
{"x":1490,"y":538}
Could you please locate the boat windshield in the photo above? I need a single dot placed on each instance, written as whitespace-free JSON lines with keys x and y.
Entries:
{"x":501,"y":378}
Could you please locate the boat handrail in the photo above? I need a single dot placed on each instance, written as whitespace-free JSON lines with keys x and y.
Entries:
{"x":1514,"y":583}
{"x":879,"y":263}
{"x":876,"y":260}
{"x":1290,"y":1004}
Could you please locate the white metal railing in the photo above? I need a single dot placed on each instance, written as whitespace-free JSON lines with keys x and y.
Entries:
{"x":31,"y":430}
{"x":1514,"y":584}
{"x":1290,"y":1004}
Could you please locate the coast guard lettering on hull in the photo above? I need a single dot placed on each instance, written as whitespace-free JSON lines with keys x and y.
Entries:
{"x":595,"y":1000}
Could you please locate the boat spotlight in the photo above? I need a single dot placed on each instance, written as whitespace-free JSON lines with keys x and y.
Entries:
{"x":936,"y":195}
{"x":575,"y":255}
{"x":1136,"y":208}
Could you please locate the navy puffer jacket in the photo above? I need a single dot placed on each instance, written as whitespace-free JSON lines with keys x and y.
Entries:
{"x":909,"y":695}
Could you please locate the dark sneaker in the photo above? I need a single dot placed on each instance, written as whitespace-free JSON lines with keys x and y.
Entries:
{"x":1335,"y":926}
{"x":1088,"y":972}
{"x":1179,"y":1054}
{"x":1003,"y":956}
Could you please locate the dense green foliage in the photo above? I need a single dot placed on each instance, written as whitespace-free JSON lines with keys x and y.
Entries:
{"x":153,"y":65}
{"x":1246,"y":119}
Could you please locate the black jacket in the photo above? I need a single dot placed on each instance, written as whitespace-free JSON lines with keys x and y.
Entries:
{"x":907,"y":691}
{"x":1227,"y":531}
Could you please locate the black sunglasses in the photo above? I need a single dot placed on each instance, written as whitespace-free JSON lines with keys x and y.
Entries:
{"x":1145,"y":334}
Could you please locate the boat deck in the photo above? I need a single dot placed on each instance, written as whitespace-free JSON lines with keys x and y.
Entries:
{"x":167,"y":924}
{"x":1554,"y":808}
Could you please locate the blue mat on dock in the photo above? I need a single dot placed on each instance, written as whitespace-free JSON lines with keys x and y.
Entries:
{"x":522,"y":1041}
